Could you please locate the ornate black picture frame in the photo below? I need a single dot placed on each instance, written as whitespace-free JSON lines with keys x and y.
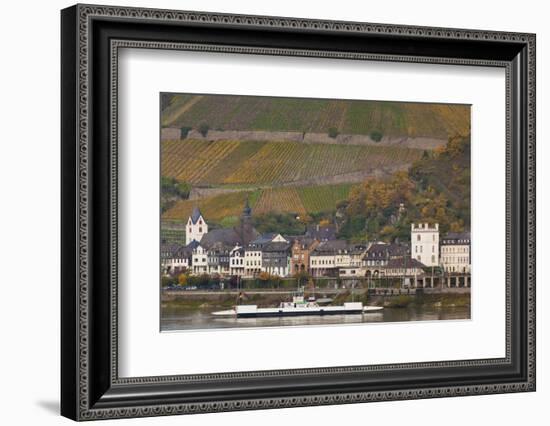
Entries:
{"x":91,"y":37}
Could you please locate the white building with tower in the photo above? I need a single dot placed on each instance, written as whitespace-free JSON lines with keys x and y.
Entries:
{"x":196,"y":227}
{"x":425,"y":243}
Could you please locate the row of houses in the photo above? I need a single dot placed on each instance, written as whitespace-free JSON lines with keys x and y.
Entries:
{"x":242,"y":251}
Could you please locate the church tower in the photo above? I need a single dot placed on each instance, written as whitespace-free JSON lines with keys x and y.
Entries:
{"x":425,"y":243}
{"x":196,"y":227}
{"x":246,"y":230}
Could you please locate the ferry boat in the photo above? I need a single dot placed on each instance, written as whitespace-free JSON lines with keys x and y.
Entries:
{"x":297,"y":307}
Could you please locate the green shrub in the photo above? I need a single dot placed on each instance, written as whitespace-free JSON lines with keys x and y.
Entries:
{"x":184,"y":131}
{"x":376,"y":135}
{"x":203,"y":129}
{"x":333,"y":132}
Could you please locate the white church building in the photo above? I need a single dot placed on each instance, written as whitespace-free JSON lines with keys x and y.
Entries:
{"x":196,"y":227}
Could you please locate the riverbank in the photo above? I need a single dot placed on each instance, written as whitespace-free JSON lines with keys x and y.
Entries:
{"x":223,"y":300}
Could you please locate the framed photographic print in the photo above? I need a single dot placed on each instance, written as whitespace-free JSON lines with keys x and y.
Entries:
{"x":263,"y":212}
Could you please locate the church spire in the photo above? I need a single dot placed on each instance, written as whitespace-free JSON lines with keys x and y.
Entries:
{"x":247,"y":211}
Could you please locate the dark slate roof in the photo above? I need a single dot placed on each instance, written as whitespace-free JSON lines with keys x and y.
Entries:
{"x":331,"y":247}
{"x":357,"y":248}
{"x":321,"y":233}
{"x":174,"y":251}
{"x":265,"y":238}
{"x":225,"y":236}
{"x":228,"y":237}
{"x":193,"y":245}
{"x":384,"y":251}
{"x":404,"y":262}
{"x":276,"y":246}
{"x":455,"y":237}
{"x":220,"y":248}
{"x":195,"y":215}
{"x":167,"y":251}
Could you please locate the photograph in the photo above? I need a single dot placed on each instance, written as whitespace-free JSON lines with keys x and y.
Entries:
{"x":278,"y":208}
{"x":280,"y":211}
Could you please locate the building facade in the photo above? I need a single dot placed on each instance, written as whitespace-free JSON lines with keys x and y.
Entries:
{"x":455,"y":252}
{"x":174,"y":259}
{"x":425,"y":243}
{"x":236,"y":261}
{"x":199,"y":259}
{"x":217,"y":258}
{"x":326,"y":259}
{"x":276,"y":258}
{"x":300,"y":251}
{"x":196,"y":227}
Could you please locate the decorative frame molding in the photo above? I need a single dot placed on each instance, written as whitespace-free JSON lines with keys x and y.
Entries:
{"x":91,"y":37}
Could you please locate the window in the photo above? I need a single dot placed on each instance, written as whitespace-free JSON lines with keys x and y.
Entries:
{"x":433,"y":258}
{"x":418,"y":237}
{"x":200,"y":229}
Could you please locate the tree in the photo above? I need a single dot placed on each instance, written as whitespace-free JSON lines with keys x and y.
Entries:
{"x":166,"y":280}
{"x":264,"y":277}
{"x":203,"y":129}
{"x":184,"y":131}
{"x":182,"y":279}
{"x":301,"y":277}
{"x":376,"y":135}
{"x":332,"y":132}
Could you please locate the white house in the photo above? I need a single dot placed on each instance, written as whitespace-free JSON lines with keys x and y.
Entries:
{"x":196,"y":227}
{"x":174,"y":258}
{"x":252,"y":260}
{"x":425,"y":243}
{"x":199,"y":259}
{"x":455,"y":252}
{"x":327,"y":257}
{"x":236,"y":261}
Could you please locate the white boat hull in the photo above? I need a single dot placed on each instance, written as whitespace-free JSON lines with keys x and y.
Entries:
{"x":251,"y":311}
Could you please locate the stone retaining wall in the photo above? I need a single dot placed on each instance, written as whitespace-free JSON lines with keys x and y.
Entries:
{"x":171,"y":133}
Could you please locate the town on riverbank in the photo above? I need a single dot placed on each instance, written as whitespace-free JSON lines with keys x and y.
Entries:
{"x":313,"y":206}
{"x":240,"y":258}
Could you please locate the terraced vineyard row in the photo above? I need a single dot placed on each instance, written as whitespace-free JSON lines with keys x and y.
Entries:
{"x":397,"y":119}
{"x":297,"y":200}
{"x":250,"y":162}
{"x":281,"y":200}
{"x":323,"y":198}
{"x":214,"y":208}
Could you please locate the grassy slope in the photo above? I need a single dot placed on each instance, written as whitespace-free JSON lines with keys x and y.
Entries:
{"x":396,"y":119}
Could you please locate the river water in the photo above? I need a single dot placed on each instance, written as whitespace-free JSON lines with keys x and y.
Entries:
{"x":176,"y":318}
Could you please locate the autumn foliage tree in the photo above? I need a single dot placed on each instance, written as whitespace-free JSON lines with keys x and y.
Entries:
{"x":182,"y":279}
{"x":435,"y":189}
